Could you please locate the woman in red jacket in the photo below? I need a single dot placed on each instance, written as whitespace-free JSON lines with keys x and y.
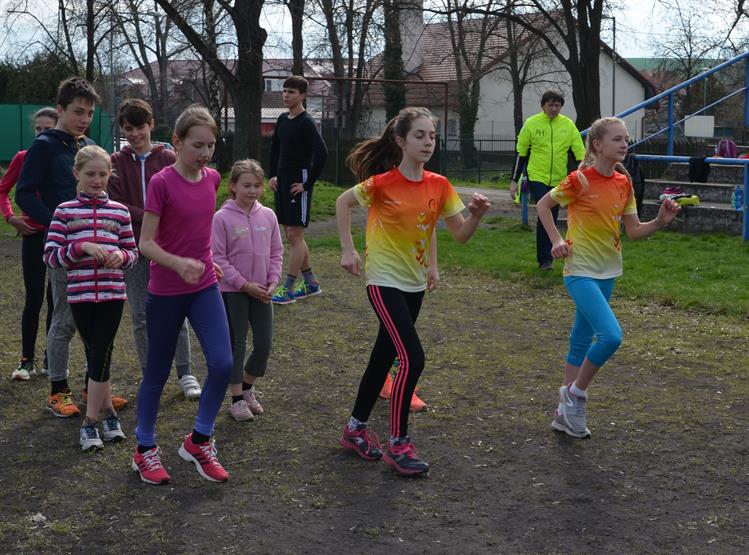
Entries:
{"x":34,"y":271}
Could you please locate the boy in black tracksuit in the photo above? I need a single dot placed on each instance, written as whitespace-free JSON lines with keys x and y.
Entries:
{"x":297,"y":157}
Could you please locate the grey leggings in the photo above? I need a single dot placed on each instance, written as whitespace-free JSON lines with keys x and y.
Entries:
{"x":136,"y":282}
{"x":246,"y":312}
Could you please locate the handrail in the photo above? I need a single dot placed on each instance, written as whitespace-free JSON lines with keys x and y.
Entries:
{"x":683,"y":85}
{"x":711,"y":160}
{"x":685,"y":118}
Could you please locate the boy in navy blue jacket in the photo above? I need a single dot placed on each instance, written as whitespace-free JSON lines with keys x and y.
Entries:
{"x":47,"y":180}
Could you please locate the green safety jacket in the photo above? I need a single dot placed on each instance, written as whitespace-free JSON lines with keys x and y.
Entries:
{"x":548,"y":141}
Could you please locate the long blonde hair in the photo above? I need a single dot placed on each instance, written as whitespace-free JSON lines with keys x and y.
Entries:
{"x":597,"y":131}
{"x":382,"y":154}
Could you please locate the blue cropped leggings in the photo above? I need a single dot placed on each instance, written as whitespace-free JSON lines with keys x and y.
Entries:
{"x":593,"y":319}
{"x":164,"y":318}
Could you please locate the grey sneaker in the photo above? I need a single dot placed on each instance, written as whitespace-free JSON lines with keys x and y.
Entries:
{"x":111,"y":429}
{"x":90,"y":438}
{"x":252,"y":402}
{"x":570,"y":415}
{"x":190,"y":387}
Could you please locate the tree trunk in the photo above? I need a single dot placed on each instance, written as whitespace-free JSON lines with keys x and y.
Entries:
{"x":296,"y":10}
{"x":247,"y":90}
{"x":468,"y":100}
{"x":395,"y":93}
{"x":517,"y":85}
{"x":586,"y":88}
{"x":90,"y":42}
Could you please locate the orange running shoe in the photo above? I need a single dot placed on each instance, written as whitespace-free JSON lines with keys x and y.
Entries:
{"x":117,"y":402}
{"x":61,"y":405}
{"x":417,"y":404}
{"x":387,"y":388}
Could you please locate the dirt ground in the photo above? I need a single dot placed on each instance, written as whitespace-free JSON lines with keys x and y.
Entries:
{"x":665,"y":471}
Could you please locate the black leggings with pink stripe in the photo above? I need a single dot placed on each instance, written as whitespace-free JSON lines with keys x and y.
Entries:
{"x":397,"y":311}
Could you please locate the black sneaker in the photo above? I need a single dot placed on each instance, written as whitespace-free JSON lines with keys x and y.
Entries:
{"x":403,"y":458}
{"x":362,"y":442}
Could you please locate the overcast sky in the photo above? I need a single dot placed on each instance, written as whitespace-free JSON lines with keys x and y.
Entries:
{"x":638,"y":23}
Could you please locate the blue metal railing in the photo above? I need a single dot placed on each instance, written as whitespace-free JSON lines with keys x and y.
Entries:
{"x":669,"y":96}
{"x":721,"y":161}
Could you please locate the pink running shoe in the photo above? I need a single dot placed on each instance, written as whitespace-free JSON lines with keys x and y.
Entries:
{"x":364,"y":443}
{"x":149,"y":466}
{"x":204,"y":457}
{"x":252,"y":402}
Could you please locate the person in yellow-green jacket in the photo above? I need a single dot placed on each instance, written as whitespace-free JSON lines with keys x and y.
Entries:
{"x":542,"y":151}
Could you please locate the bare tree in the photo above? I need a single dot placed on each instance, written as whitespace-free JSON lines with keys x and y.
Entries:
{"x":348,"y":25}
{"x":243,"y":79}
{"x":524,"y":64}
{"x":690,"y":46}
{"x":73,"y":18}
{"x":476,"y":46}
{"x":146,"y":35}
{"x":571,"y":30}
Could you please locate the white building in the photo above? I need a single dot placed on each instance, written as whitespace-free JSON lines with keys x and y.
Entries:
{"x":428,"y":56}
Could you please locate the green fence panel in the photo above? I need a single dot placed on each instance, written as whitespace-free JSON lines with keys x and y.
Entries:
{"x":17,"y":128}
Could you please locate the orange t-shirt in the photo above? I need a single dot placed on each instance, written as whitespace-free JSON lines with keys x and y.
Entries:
{"x":594,"y":221}
{"x":402,"y":215}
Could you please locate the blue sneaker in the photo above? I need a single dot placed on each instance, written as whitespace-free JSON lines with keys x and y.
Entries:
{"x":282,"y":296}
{"x":305,"y":290}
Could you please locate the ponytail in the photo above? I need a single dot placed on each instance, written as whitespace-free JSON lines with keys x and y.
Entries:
{"x":382,"y":154}
{"x":376,"y":155}
{"x":597,"y":131}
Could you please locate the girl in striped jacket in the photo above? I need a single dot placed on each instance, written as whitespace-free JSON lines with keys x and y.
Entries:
{"x":92,"y":237}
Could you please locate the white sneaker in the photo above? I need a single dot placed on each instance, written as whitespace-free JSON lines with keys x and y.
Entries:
{"x":24,"y":371}
{"x":240,"y":411}
{"x":89,"y":438}
{"x":570,"y":416}
{"x":190,"y":387}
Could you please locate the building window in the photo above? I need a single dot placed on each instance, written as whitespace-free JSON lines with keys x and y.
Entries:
{"x":268,"y":85}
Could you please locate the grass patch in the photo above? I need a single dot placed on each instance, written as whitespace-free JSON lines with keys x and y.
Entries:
{"x":503,"y":183}
{"x":704,"y":272}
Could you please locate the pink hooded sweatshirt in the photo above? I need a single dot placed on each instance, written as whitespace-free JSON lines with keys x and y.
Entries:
{"x":248,"y":247}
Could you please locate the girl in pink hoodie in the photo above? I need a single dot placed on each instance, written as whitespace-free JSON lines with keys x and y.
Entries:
{"x":247,"y":245}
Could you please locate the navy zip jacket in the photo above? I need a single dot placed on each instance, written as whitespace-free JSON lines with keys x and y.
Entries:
{"x":47,"y":178}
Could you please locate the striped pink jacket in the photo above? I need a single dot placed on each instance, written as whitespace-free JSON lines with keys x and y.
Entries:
{"x":94,"y":220}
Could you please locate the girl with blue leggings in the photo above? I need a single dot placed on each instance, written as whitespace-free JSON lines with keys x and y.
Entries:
{"x":598,"y":197}
{"x":176,"y":237}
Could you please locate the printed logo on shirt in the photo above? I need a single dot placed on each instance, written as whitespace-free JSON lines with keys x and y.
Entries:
{"x":261,"y":228}
{"x":239,"y":231}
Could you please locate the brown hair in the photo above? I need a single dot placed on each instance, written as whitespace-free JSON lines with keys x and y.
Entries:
{"x":596,"y":132}
{"x":552,"y":96}
{"x":296,"y":82}
{"x":382,"y":154}
{"x":90,"y":153}
{"x":47,"y":112}
{"x":135,"y":112}
{"x":194,"y":116}
{"x":247,"y":165}
{"x":75,"y":87}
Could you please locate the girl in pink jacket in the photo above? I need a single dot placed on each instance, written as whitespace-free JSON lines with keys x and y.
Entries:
{"x":247,"y":245}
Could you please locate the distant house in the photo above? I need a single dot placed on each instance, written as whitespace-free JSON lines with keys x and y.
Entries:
{"x":186,"y":85}
{"x":428,"y":56}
